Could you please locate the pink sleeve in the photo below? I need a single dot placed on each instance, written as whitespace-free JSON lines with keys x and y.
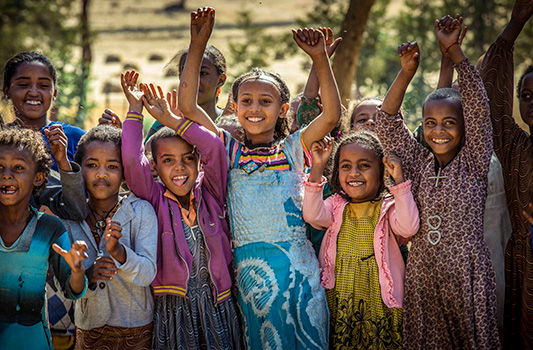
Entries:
{"x":404,"y":219}
{"x":315,"y":210}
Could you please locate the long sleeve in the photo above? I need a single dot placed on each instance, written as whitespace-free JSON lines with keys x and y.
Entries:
{"x":65,"y":195}
{"x":136,"y":166}
{"x":476,"y":111}
{"x":404,"y":219}
{"x":315,"y":211}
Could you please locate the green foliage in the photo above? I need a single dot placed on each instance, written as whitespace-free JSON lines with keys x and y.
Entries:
{"x":46,"y":26}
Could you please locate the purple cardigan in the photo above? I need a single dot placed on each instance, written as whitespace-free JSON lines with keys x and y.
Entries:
{"x":174,"y":260}
{"x":398,"y":220}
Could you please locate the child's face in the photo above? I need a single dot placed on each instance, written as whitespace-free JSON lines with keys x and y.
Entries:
{"x":177,"y":165}
{"x":210,"y":81}
{"x":101,"y":168}
{"x":443,"y":129}
{"x":359,"y":172}
{"x":258,"y":108}
{"x":18,"y":175}
{"x":526,"y":99}
{"x":364,"y":116}
{"x":31,"y":90}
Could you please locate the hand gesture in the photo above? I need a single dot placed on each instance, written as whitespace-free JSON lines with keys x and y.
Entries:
{"x":448,"y":31}
{"x":393,"y":164}
{"x":410,"y":56}
{"x":75,"y":256}
{"x":156,"y":104}
{"x":202,"y":22}
{"x":321,"y":151}
{"x":522,"y":10}
{"x":112,"y":234}
{"x":58,"y":146}
{"x":331,"y":44}
{"x":311,"y":41}
{"x":134,"y":96}
{"x":103,"y":269}
{"x":111,"y":118}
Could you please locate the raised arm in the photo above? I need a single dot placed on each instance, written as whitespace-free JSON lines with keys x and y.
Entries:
{"x":313,"y":43}
{"x":202,"y":22}
{"x":446,"y":63}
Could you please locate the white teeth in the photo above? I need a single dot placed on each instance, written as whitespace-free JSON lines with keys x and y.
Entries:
{"x":11,"y":189}
{"x":440,"y":140}
{"x":355,"y":183}
{"x":255,"y":120}
{"x":34,"y":103}
{"x":182,"y":177}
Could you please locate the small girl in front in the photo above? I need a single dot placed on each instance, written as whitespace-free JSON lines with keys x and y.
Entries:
{"x":361,"y":263}
{"x":121,"y":234}
{"x":450,"y":298}
{"x":28,"y":239}
{"x":194,"y":308}
{"x":280,"y":296}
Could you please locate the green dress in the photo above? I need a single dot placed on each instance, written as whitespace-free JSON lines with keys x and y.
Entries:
{"x":359,"y":319}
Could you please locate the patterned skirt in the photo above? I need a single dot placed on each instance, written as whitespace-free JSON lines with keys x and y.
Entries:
{"x":115,"y":338}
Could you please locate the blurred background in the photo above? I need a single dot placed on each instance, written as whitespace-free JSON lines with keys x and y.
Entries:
{"x":91,"y":42}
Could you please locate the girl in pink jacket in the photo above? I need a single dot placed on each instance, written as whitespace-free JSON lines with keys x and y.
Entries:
{"x":361,"y":265}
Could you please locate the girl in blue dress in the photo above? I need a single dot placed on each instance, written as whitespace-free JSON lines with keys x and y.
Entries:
{"x":277,"y":273}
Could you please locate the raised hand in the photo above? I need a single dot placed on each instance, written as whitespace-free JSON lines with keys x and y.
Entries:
{"x":75,"y":256}
{"x":331,"y":43}
{"x":393,"y":164}
{"x":103,"y":269}
{"x":155,"y":103}
{"x":58,"y":146}
{"x":448,"y":31}
{"x":311,"y":41}
{"x":320,"y":153}
{"x":202,"y":21}
{"x":410,"y":56}
{"x":128,"y":81}
{"x":112,"y":234}
{"x":111,"y":118}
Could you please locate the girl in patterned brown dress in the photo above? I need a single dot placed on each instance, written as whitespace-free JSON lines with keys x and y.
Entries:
{"x":450,"y":300}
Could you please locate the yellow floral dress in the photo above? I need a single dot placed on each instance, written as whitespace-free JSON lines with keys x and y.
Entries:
{"x":359,"y":319}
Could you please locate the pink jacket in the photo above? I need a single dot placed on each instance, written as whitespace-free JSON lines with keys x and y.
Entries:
{"x":399,"y":216}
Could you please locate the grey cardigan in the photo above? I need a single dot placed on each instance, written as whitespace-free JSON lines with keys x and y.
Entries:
{"x":126,"y":300}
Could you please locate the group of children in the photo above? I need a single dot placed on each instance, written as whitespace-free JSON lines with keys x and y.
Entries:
{"x":209,"y":247}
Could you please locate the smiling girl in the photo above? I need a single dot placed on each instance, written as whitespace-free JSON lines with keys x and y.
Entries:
{"x":361,"y":264}
{"x":450,"y":299}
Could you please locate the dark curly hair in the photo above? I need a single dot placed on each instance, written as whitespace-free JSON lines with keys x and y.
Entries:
{"x":100,"y":133}
{"x":445,"y":94}
{"x":163,"y":133}
{"x":282,"y":128}
{"x":32,"y":141}
{"x":367,"y":139}
{"x":519,"y":85}
{"x":14,"y":62}
{"x":213,"y":55}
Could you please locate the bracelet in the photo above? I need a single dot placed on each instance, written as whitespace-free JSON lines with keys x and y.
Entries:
{"x":446,"y":51}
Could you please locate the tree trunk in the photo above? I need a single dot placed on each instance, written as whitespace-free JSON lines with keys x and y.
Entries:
{"x":347,"y":54}
{"x":86,"y":60}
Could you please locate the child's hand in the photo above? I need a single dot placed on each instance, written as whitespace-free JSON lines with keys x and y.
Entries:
{"x":111,"y":118}
{"x":202,"y":22}
{"x":58,"y":146}
{"x":522,"y":10}
{"x":112,"y":234}
{"x":321,"y":151}
{"x":75,"y":256}
{"x":393,"y":164}
{"x":527,"y":216}
{"x":410,"y":56}
{"x":448,"y":31}
{"x":311,"y":41}
{"x":331,"y":44}
{"x":103,"y":269}
{"x":134,"y":96}
{"x":158,"y":106}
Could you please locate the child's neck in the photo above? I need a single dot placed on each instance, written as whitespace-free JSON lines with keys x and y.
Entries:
{"x":102,"y":207}
{"x":13,"y":220}
{"x":253,"y":141}
{"x":211,"y":109}
{"x":34,"y":124}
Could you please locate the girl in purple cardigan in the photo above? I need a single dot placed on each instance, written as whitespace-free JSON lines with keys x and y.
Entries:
{"x":361,"y":265}
{"x":194,"y":308}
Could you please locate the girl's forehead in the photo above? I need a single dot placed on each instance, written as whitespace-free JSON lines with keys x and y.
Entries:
{"x":357,"y":150}
{"x":259,"y":84}
{"x":16,"y":152}
{"x":33,"y":68}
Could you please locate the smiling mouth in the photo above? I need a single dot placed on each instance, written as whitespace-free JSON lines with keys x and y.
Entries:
{"x":33,"y":103}
{"x":255,"y":119}
{"x":180,"y":180}
{"x":440,"y":141}
{"x":8,"y":189}
{"x":355,"y":183}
